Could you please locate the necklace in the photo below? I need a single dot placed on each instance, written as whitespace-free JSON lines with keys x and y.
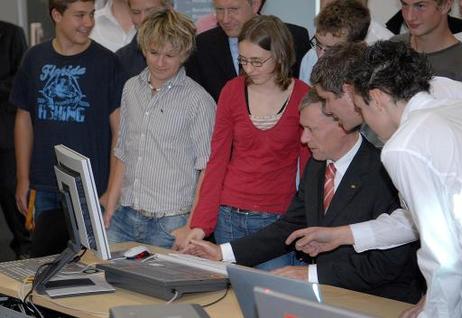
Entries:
{"x":152,"y":87}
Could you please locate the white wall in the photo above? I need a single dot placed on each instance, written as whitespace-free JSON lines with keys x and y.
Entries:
{"x":301,"y":12}
{"x":14,"y":11}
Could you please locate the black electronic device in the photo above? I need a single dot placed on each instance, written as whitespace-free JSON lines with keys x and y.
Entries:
{"x":160,"y":278}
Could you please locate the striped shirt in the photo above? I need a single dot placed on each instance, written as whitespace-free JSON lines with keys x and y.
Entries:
{"x":164,"y":142}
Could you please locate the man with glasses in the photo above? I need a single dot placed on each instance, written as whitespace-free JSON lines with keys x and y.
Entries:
{"x":215,"y":60}
{"x":340,"y":21}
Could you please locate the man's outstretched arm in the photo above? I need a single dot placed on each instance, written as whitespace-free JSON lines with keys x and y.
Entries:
{"x":387,"y":231}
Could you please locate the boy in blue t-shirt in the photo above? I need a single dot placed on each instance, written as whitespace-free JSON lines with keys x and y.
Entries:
{"x":67,"y":91}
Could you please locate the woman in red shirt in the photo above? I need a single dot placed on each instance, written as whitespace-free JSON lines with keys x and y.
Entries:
{"x":249,"y":180}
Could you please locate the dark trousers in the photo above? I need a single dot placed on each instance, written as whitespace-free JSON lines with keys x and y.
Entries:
{"x":50,"y":234}
{"x":21,"y":242}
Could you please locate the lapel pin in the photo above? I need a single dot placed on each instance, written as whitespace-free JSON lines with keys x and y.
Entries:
{"x":353,"y":186}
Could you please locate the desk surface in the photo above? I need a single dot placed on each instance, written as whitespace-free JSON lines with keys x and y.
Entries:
{"x":96,"y":306}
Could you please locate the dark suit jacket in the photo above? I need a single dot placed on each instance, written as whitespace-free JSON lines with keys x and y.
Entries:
{"x":211,"y":64}
{"x":132,"y":58}
{"x":395,"y":22}
{"x":12,"y":47}
{"x":364,"y":193}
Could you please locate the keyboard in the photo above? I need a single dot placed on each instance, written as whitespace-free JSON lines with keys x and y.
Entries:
{"x":197,"y":262}
{"x":9,"y":313}
{"x":22,"y":269}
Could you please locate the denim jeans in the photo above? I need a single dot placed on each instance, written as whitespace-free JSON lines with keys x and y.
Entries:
{"x":128,"y":224}
{"x":46,"y":200}
{"x":233,"y":224}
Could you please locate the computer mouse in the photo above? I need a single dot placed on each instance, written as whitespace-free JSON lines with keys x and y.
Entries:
{"x":138,"y":250}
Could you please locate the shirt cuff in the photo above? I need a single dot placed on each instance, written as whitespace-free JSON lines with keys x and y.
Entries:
{"x":313,"y":274}
{"x":363,"y":236}
{"x":227,"y":253}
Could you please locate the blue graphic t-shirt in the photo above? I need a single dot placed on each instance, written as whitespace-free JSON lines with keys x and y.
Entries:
{"x":70,"y":99}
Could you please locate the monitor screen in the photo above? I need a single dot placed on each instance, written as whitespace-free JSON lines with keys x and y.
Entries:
{"x":75,"y":178}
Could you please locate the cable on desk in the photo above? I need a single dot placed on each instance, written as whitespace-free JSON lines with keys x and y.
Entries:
{"x":173,"y":298}
{"x":219,"y":299}
{"x":28,"y":298}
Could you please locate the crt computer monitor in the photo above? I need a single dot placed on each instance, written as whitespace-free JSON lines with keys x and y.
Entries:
{"x":81,"y":210}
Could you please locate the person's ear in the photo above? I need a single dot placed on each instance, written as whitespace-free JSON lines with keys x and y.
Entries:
{"x":348,"y":91}
{"x":379,"y":99}
{"x":256,"y":4}
{"x":347,"y":88}
{"x":446,"y":6}
{"x":56,"y":15}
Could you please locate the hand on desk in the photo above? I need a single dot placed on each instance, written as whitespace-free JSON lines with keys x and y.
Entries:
{"x":184,"y":235}
{"x":295,"y":272}
{"x":315,"y":240}
{"x":204,"y":249}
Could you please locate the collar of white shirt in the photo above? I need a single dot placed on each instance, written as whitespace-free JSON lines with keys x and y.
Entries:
{"x":419,"y":101}
{"x":342,"y":164}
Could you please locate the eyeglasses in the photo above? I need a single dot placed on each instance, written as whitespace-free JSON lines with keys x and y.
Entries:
{"x":314,"y":42}
{"x":255,"y":63}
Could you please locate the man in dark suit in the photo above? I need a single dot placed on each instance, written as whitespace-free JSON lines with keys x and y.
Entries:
{"x":12,"y":47}
{"x":343,"y":181}
{"x":215,"y":60}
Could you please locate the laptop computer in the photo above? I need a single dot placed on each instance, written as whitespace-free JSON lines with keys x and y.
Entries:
{"x":159,"y":310}
{"x":244,"y":279}
{"x":272,"y":304}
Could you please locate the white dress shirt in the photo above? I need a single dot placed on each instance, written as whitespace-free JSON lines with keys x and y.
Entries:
{"x":234,"y":49}
{"x":108,"y":32}
{"x":424,"y":160}
{"x":458,"y":36}
{"x":341,"y":166}
{"x":376,"y":32}
{"x":391,"y":230}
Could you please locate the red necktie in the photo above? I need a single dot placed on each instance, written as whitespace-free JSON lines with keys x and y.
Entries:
{"x":329,"y":185}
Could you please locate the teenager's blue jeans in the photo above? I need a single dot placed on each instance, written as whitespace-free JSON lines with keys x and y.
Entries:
{"x":128,"y":224}
{"x":46,"y":200}
{"x":234,"y":223}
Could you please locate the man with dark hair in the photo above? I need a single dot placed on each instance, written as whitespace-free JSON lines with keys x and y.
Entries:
{"x":67,"y":91}
{"x":429,"y":33}
{"x":12,"y":48}
{"x":343,"y":181}
{"x":422,"y":154}
{"x":397,"y":25}
{"x":330,"y":84}
{"x":215,"y":60}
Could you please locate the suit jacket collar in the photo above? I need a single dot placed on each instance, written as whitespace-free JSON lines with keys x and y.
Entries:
{"x":222,"y":52}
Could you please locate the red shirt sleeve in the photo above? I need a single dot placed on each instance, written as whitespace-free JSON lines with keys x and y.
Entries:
{"x":206,"y":212}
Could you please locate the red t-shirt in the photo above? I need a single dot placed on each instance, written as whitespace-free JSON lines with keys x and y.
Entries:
{"x":249,"y":168}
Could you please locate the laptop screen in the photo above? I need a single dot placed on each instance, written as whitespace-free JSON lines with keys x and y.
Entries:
{"x":244,"y":279}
